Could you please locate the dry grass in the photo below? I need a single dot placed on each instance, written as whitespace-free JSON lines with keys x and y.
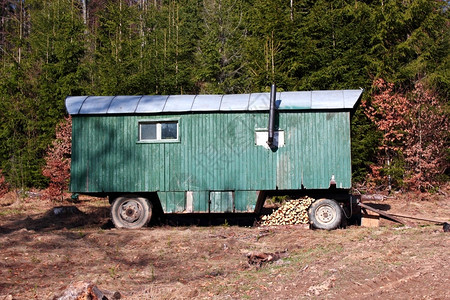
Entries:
{"x":41,"y":254}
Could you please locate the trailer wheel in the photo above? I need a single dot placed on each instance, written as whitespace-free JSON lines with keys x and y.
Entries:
{"x":131,"y":212}
{"x":325,"y":214}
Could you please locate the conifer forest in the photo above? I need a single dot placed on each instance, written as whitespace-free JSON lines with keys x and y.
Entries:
{"x":396,"y":50}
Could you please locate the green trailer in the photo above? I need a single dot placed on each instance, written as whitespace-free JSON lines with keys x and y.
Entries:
{"x":211,"y":153}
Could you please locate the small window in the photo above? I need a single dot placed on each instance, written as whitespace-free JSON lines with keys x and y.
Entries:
{"x":148,"y":131}
{"x":158,"y":131}
{"x":169,"y":131}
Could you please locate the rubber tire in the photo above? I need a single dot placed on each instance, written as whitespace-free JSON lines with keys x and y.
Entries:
{"x":131,"y":212}
{"x":325,"y":214}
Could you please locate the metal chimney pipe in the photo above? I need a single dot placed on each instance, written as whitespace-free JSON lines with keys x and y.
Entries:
{"x":271,"y":129}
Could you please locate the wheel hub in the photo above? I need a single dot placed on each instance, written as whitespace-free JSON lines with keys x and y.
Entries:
{"x":325,"y":214}
{"x":130,"y":211}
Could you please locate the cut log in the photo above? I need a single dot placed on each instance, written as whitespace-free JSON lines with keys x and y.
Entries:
{"x":292,"y":212}
{"x":259,"y":258}
{"x":86,"y":290}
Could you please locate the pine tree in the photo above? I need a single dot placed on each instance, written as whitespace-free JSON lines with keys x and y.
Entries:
{"x":332,"y":43}
{"x":269,"y":42}
{"x":220,"y":54}
{"x":176,"y":35}
{"x":116,"y":49}
{"x":410,"y":41}
{"x":42,"y":68}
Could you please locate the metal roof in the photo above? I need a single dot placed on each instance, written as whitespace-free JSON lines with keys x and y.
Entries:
{"x":303,"y":100}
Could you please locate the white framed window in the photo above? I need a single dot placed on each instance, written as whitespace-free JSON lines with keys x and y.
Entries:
{"x":158,"y":131}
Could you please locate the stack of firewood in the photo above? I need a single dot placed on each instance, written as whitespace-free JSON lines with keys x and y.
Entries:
{"x":290,"y":213}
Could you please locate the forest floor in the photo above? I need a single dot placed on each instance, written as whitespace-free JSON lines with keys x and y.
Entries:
{"x":42,"y":253}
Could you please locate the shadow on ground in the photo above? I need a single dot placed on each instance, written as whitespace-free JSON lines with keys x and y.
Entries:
{"x":59,"y":218}
{"x":69,"y":217}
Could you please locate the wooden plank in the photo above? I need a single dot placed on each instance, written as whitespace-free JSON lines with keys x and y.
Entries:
{"x":418,"y":218}
{"x":384,"y":214}
{"x":370,"y":219}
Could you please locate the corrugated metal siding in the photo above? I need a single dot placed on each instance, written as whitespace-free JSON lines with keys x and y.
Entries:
{"x":245,"y":201}
{"x":221,"y":201}
{"x":216,"y":152}
{"x":317,"y":147}
{"x":172,"y":202}
{"x":201,"y":201}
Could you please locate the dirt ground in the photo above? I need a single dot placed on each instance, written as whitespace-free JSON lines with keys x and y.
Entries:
{"x":43,"y":252}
